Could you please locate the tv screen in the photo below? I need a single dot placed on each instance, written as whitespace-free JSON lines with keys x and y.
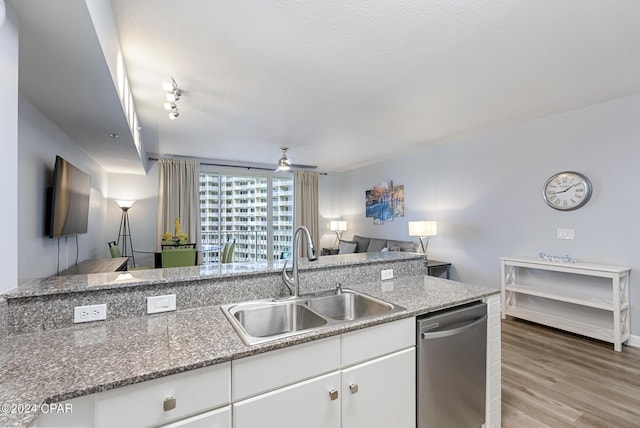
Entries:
{"x":69,"y":213}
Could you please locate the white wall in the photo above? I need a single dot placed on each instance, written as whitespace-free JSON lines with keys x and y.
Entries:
{"x":9,"y":152}
{"x":485,"y":191}
{"x":39,"y":141}
{"x":331,"y":199}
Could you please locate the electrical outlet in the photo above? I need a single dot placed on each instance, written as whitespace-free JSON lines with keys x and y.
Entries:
{"x":157,"y":304}
{"x":89,"y":313}
{"x":565,"y":233}
{"x":386,"y":274}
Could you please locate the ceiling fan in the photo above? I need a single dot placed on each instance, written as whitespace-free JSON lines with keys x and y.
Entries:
{"x":285,"y":165}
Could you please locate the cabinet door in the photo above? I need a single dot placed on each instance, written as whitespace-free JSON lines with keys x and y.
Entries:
{"x":381,"y":392}
{"x":220,"y":418}
{"x":308,"y":404}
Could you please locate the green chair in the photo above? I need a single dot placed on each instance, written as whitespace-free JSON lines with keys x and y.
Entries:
{"x":178,"y":257}
{"x":114,"y":250}
{"x":227,"y":252}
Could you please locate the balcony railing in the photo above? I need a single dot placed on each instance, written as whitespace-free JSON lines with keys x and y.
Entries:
{"x":249,"y":246}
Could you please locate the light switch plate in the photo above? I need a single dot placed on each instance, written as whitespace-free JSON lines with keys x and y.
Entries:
{"x":158,"y":304}
{"x":566,"y":233}
{"x":386,"y":274}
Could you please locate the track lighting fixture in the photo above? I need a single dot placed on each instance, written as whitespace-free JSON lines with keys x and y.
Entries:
{"x":173,"y":95}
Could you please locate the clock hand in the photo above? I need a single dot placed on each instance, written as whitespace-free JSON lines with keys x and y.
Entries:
{"x":562,"y":191}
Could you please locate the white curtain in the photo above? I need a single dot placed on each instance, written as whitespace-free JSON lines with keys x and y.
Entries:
{"x":306,"y":204}
{"x":179,"y":197}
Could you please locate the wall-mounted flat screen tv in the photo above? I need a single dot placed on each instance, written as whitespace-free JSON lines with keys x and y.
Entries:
{"x":69,"y":213}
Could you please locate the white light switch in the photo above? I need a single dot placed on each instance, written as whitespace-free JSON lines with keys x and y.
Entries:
{"x":566,"y":234}
{"x":386,"y":274}
{"x":157,"y":304}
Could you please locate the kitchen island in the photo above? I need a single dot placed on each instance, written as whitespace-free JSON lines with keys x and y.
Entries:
{"x":65,"y":363}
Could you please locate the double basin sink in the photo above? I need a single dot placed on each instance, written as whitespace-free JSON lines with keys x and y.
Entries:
{"x":263,"y":321}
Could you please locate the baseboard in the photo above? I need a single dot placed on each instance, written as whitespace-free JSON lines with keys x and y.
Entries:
{"x":634,"y":341}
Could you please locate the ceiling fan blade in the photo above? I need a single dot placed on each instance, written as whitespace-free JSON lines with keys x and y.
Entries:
{"x":299,"y":166}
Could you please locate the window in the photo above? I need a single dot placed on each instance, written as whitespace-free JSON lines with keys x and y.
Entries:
{"x":234,"y":207}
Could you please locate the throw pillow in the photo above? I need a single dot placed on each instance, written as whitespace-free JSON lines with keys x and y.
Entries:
{"x":363,"y":243}
{"x":376,"y":245}
{"x":402,"y":246}
{"x":346,"y":248}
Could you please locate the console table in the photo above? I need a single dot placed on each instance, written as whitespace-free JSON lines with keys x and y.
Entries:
{"x":329,"y":251}
{"x":583,"y":298}
{"x":97,"y":266}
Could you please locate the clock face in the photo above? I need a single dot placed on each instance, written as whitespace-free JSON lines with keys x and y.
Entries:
{"x":567,"y":191}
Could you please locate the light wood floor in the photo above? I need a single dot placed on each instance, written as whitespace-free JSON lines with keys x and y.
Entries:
{"x":551,"y":378}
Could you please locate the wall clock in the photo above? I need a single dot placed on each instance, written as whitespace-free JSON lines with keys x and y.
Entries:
{"x":567,"y":190}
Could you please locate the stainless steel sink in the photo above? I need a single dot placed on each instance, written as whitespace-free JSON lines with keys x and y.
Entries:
{"x":349,"y":306}
{"x":267,"y":320}
{"x":274,"y":319}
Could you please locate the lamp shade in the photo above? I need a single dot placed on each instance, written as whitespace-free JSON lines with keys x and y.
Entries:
{"x":124,"y":204}
{"x":338,"y":225}
{"x":423,"y":228}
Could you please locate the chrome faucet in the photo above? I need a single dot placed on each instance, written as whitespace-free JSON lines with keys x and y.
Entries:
{"x":293,"y":282}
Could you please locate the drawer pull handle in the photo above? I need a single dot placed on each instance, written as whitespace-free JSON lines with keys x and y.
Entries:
{"x":353,"y":388}
{"x":169,"y":403}
{"x":333,"y":394}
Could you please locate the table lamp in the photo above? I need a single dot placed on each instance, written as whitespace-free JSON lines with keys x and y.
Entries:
{"x":423,"y":230}
{"x":338,"y":226}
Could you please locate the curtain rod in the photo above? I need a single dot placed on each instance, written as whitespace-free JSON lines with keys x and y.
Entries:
{"x":234,"y":166}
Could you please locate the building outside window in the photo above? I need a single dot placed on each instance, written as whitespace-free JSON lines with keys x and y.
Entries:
{"x":237,"y":207}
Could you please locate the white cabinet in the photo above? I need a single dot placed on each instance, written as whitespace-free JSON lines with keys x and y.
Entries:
{"x":587,"y":299}
{"x":364,"y":378}
{"x":165,"y":399}
{"x":271,"y":370}
{"x":313,"y":403}
{"x":380,"y":393}
{"x":195,"y":398}
{"x":220,"y":418}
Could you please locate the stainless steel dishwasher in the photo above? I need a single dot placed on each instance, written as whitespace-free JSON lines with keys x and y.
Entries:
{"x":451,"y":367}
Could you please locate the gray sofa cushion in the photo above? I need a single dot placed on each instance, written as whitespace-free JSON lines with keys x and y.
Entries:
{"x":402,"y":246}
{"x":347,"y":247}
{"x":376,"y":245}
{"x":362,"y":243}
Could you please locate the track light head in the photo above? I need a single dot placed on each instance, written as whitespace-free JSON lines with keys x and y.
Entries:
{"x":173,"y":95}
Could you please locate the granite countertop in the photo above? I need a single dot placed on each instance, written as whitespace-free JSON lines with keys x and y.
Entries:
{"x":112,"y":280}
{"x":62,"y":364}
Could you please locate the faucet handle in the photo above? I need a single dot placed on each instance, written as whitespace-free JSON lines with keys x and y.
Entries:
{"x":338,"y":288}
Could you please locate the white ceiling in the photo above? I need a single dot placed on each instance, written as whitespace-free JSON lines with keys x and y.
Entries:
{"x":346,"y":83}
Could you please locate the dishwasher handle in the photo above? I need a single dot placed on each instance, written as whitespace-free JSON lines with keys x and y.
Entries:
{"x":454,"y":331}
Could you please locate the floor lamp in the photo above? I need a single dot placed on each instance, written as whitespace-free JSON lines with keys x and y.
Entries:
{"x":124,"y":233}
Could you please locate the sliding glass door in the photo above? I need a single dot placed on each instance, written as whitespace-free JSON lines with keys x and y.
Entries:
{"x":252,"y":214}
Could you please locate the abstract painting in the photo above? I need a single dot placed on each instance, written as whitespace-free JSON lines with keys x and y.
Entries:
{"x":384,"y":202}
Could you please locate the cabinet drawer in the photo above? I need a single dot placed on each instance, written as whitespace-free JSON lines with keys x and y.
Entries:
{"x":372,"y":342}
{"x":142,"y":404}
{"x":264,"y":372}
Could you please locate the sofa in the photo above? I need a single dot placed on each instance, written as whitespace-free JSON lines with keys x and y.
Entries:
{"x":362,"y":244}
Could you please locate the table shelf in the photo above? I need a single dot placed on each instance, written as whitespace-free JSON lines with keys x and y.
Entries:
{"x":587,"y":299}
